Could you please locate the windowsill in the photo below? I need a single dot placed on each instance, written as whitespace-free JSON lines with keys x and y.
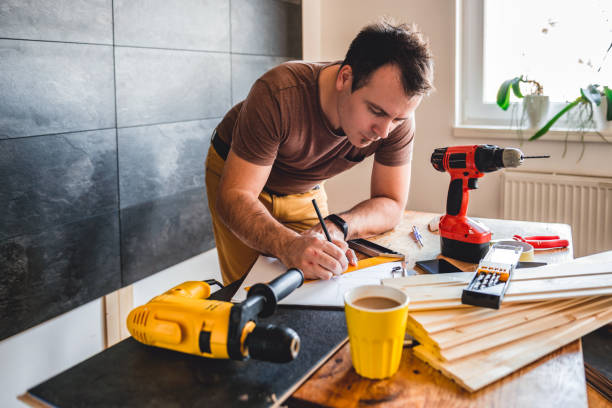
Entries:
{"x":503,"y":132}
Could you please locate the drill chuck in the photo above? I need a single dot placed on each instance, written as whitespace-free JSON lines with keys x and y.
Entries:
{"x":272,"y":343}
{"x":512,"y":157}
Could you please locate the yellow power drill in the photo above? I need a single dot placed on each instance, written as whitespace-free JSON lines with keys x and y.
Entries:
{"x":183,"y":319}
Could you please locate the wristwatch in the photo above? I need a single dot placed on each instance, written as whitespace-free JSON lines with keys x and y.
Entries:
{"x":340,"y":223}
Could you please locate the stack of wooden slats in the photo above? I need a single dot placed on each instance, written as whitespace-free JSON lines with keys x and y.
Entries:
{"x":544,"y":309}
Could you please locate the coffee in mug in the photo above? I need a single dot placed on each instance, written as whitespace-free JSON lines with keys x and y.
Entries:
{"x":376,"y":318}
{"x":376,"y":302}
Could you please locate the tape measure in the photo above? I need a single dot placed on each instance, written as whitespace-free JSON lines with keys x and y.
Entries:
{"x":527,"y":254}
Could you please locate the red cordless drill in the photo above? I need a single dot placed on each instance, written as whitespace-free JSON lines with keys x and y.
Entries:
{"x":461,"y":237}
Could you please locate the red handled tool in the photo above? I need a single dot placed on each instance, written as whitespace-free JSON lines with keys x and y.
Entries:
{"x":543,"y":241}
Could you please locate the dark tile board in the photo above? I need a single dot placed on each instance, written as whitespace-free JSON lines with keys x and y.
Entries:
{"x":56,"y":179}
{"x":164,"y":24}
{"x":162,"y":160}
{"x":49,"y":87}
{"x":43,"y":275}
{"x":57,"y":20}
{"x":164,"y":232}
{"x":130,"y":374}
{"x":266,"y":27}
{"x":106,"y":111}
{"x":161,"y":86}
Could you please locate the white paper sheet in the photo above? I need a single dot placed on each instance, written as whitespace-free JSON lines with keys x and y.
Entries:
{"x":328,"y":293}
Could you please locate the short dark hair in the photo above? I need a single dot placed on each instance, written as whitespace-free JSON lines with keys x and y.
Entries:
{"x":384,"y":43}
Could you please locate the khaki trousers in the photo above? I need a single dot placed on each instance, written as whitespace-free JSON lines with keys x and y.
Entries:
{"x":293,"y":211}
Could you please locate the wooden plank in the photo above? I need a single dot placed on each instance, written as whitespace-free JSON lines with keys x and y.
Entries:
{"x":520,"y":288}
{"x":559,"y":295}
{"x":117,"y":306}
{"x":463,"y":333}
{"x":32,"y":401}
{"x":456,"y":304}
{"x":597,"y":400}
{"x":422,"y":331}
{"x":487,"y":327}
{"x":126,"y":304}
{"x":476,"y":371}
{"x":111,"y":322}
{"x":526,"y":329}
{"x":427,"y":280}
{"x":439,"y":320}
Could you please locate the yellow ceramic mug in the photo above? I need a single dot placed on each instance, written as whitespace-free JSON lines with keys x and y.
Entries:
{"x":376,"y":328}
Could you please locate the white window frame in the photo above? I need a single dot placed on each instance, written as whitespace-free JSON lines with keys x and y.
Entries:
{"x":473,"y":117}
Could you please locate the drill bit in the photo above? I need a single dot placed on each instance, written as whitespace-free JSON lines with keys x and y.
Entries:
{"x":547,"y":156}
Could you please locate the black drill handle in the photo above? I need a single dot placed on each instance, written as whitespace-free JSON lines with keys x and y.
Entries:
{"x":287,"y":283}
{"x":276,"y":290}
{"x":454,"y":200}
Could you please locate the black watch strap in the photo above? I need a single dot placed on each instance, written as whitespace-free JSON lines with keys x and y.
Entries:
{"x":340,"y":223}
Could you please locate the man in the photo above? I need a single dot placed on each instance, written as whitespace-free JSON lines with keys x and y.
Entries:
{"x":301,"y":124}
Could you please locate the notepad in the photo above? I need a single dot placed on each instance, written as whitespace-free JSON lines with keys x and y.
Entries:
{"x":320,"y":293}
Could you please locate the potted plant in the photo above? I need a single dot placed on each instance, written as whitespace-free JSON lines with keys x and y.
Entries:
{"x":603,"y":115}
{"x":535,"y":104}
{"x":588,"y":107}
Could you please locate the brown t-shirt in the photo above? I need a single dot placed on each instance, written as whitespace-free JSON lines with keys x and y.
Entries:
{"x":281,"y":123}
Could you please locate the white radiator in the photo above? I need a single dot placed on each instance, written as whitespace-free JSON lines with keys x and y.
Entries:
{"x":583,"y":202}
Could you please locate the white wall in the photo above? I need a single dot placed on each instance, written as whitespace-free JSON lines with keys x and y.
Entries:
{"x":35,"y":355}
{"x":341,"y":20}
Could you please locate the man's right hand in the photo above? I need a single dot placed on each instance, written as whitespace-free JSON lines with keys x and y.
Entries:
{"x":316,"y":257}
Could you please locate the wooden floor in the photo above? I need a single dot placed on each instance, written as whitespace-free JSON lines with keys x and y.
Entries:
{"x":596,"y":400}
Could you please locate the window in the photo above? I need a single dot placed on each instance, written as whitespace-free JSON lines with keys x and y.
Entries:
{"x":562,"y":44}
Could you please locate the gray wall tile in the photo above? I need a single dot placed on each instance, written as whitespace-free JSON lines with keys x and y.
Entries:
{"x":162,"y":160}
{"x":89,"y":21}
{"x":268,"y":27}
{"x":54,"y":88}
{"x":46,"y":274}
{"x":60,"y":235}
{"x":246,"y":69}
{"x":185,"y":24}
{"x":157,"y":86}
{"x":52,"y":180}
{"x":164,"y":232}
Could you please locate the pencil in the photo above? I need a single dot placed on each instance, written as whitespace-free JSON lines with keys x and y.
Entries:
{"x":316,"y":207}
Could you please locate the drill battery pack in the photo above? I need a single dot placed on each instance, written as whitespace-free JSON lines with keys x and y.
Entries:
{"x":492,"y":278}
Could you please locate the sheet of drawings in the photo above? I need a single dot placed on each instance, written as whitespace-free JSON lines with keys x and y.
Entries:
{"x":328,"y":293}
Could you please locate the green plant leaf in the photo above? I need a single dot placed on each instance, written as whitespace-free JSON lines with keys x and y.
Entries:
{"x":555,"y":118}
{"x":516,"y":88}
{"x":503,"y":94}
{"x":608,"y":94}
{"x":591,"y":93}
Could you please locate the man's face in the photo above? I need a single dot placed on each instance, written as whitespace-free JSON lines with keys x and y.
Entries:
{"x":374,"y":110}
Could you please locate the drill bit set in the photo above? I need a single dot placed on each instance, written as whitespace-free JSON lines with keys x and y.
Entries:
{"x":489,"y":284}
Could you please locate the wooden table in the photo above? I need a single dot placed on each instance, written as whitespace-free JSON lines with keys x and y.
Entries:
{"x":555,"y":380}
{"x":129,"y":374}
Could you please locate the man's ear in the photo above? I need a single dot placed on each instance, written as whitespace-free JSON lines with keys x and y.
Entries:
{"x":344,"y":78}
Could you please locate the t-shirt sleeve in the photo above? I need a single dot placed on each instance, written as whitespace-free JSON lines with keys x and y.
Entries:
{"x":257,"y":132}
{"x":396,"y":150}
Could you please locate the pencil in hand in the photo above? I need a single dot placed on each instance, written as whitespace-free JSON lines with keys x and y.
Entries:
{"x":316,"y":207}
